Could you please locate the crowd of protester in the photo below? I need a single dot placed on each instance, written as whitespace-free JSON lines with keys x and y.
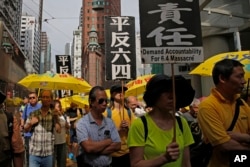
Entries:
{"x":123,"y":132}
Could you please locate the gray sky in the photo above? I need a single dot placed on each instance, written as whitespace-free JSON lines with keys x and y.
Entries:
{"x":63,"y":18}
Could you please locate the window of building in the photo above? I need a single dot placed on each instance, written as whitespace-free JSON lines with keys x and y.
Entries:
{"x":184,"y":68}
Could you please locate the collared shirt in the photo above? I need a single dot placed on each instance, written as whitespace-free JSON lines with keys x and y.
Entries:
{"x":42,"y":140}
{"x":215,"y":115}
{"x":26,"y":114}
{"x":87,"y":128}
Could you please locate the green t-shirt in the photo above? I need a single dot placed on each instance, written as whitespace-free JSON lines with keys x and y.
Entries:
{"x":158,"y":139}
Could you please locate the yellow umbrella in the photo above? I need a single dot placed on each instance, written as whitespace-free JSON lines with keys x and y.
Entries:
{"x":17,"y":101}
{"x":65,"y":102}
{"x":55,"y":82}
{"x":79,"y":100}
{"x":137,"y":86}
{"x":205,"y":68}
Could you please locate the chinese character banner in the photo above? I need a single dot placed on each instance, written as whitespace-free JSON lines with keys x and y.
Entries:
{"x":63,"y":65}
{"x":120,"y":48}
{"x":170,"y":31}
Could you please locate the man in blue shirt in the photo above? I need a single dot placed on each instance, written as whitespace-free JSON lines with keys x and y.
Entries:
{"x":96,"y":134}
{"x":30,"y":107}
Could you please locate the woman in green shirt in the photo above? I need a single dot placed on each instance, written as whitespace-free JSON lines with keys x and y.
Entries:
{"x":156,"y":147}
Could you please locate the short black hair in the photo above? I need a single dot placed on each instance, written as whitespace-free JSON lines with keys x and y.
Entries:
{"x":224,"y":68}
{"x":92,"y":93}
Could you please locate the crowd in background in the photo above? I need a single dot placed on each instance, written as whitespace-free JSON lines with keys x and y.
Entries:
{"x":124,"y":132}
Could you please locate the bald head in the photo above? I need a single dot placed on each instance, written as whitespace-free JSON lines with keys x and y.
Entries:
{"x":132,"y":102}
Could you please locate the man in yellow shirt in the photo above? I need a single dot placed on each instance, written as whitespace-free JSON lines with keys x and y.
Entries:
{"x":216,"y":113}
{"x":122,"y":118}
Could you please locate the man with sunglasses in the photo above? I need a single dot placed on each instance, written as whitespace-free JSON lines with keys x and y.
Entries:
{"x":96,"y":134}
{"x":31,"y":106}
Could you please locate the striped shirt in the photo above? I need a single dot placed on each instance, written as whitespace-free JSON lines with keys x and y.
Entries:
{"x":87,"y":128}
{"x":42,"y":139}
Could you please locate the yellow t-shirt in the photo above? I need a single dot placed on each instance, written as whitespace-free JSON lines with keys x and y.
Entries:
{"x":215,"y":115}
{"x":117,"y":117}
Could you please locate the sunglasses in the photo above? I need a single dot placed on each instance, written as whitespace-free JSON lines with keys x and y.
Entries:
{"x":32,"y":97}
{"x":100,"y":101}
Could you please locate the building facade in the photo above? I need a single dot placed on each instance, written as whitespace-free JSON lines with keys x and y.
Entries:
{"x":30,"y":41}
{"x":10,"y":14}
{"x":13,"y":67}
{"x":45,"y":59}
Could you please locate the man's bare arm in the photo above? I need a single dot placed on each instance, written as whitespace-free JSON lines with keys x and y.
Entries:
{"x":95,"y":146}
{"x":111,"y":148}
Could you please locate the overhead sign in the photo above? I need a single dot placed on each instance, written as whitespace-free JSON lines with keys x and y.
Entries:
{"x":120,"y":48}
{"x":170,"y":31}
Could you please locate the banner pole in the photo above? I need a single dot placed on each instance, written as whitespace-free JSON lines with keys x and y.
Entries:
{"x":123,"y":94}
{"x":174,"y":101}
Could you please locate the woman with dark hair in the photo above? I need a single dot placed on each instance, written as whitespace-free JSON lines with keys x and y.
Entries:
{"x":157,"y":147}
{"x":60,"y":147}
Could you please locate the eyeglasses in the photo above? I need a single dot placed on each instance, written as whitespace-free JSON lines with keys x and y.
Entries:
{"x":32,"y":97}
{"x":100,"y":101}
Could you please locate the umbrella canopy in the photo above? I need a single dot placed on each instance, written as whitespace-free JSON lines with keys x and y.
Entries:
{"x":81,"y":101}
{"x":55,"y":82}
{"x":205,"y":68}
{"x":137,"y":87}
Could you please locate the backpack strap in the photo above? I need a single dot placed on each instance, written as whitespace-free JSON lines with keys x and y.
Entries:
{"x":178,"y":118}
{"x":145,"y":125}
{"x":25,"y":112}
{"x":236,"y":114}
{"x":109,"y":114}
{"x":129,"y":113}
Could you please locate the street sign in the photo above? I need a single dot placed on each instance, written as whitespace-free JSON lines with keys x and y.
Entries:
{"x":170,"y":31}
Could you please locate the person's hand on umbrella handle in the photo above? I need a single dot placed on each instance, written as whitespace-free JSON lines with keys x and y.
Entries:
{"x":124,"y":125}
{"x":172,"y":152}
